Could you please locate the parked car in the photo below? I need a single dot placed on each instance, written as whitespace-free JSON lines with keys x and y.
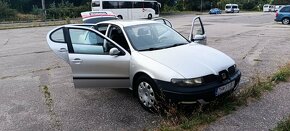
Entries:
{"x":283,"y":15}
{"x":147,"y":57}
{"x":232,"y":8}
{"x":215,"y":11}
{"x":94,"y":17}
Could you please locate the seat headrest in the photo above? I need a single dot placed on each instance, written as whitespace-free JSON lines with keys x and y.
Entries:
{"x":143,"y":31}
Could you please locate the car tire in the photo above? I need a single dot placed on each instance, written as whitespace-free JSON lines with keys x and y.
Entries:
{"x":149,"y":16}
{"x":146,"y":91}
{"x":120,"y":17}
{"x":285,"y":21}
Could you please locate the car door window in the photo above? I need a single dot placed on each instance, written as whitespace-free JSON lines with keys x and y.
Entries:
{"x":88,"y":42}
{"x":117,"y":35}
{"x":197,"y":30}
{"x":57,"y":36}
{"x":102,"y":28}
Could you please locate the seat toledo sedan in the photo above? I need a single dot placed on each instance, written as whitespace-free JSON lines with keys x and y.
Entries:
{"x":148,"y":57}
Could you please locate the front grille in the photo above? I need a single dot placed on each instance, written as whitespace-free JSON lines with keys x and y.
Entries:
{"x":210,"y":78}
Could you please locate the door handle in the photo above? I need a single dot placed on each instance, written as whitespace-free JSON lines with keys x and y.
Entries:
{"x":77,"y":61}
{"x":62,"y":50}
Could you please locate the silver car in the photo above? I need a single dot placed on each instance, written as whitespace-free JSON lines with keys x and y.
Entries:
{"x":148,"y":57}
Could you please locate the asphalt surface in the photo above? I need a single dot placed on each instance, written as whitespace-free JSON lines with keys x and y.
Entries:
{"x":253,"y":40}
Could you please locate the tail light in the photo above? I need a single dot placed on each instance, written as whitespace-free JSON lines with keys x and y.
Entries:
{"x":276,"y":13}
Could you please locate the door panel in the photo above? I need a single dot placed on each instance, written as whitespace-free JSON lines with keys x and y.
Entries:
{"x":57,"y":43}
{"x":197,"y":33}
{"x":91,"y":64}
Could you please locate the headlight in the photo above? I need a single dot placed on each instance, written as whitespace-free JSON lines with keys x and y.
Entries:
{"x":188,"y":82}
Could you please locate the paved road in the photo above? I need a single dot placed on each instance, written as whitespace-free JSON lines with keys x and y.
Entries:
{"x":27,"y":65}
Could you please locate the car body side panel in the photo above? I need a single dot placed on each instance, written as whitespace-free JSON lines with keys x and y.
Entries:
{"x":141,"y":63}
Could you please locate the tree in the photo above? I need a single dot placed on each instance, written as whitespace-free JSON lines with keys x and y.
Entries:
{"x":6,"y":12}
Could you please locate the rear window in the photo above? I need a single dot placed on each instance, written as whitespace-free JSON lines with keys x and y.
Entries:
{"x":235,"y":7}
{"x":98,"y":19}
{"x":96,"y":4}
{"x":285,"y":9}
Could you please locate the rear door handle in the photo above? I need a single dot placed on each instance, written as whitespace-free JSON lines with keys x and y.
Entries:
{"x":62,"y":50}
{"x":77,"y":61}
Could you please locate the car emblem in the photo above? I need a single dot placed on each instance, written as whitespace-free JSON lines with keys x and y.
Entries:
{"x":224,"y":76}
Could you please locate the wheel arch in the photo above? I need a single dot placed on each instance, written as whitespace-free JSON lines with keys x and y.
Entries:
{"x":137,"y":75}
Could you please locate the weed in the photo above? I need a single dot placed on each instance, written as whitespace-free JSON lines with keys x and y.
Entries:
{"x":202,"y":115}
{"x":283,"y":126}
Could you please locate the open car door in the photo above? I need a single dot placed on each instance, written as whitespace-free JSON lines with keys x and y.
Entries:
{"x":93,"y":62}
{"x":197,"y":33}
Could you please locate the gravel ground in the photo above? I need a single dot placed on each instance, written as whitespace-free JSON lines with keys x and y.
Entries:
{"x":253,"y":40}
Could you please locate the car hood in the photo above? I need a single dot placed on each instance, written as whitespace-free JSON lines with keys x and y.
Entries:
{"x":191,"y":60}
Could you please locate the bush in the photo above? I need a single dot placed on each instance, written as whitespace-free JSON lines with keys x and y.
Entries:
{"x":65,"y":10}
{"x":6,"y":13}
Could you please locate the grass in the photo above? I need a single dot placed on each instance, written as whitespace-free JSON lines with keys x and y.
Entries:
{"x":283,"y":126}
{"x":202,"y":115}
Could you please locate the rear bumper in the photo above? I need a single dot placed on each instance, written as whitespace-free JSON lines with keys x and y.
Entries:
{"x":277,"y":20}
{"x":190,"y":94}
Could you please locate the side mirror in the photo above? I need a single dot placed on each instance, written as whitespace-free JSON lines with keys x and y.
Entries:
{"x":201,"y":39}
{"x":114,"y":51}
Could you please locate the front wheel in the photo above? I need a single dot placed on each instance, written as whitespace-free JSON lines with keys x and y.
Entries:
{"x":146,"y":91}
{"x":285,"y":21}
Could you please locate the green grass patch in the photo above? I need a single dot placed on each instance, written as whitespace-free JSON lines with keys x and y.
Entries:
{"x":202,"y":115}
{"x":283,"y":126}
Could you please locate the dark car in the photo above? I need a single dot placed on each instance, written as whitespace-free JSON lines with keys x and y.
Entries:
{"x":283,"y":15}
{"x":97,"y":19}
{"x":215,"y":11}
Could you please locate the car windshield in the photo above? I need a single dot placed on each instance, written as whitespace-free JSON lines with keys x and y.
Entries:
{"x":154,"y":36}
{"x":228,"y":7}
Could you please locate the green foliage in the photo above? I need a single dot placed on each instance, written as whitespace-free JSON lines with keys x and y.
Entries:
{"x":5,"y":12}
{"x":283,"y":126}
{"x":65,"y":10}
{"x":283,"y":74}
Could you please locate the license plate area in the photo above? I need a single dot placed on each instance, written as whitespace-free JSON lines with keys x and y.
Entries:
{"x":225,"y":88}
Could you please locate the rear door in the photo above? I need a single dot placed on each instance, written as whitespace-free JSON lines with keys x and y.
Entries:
{"x":197,"y":33}
{"x":92,"y":64}
{"x":57,"y":43}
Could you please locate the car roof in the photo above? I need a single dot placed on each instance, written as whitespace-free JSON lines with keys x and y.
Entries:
{"x":126,"y":23}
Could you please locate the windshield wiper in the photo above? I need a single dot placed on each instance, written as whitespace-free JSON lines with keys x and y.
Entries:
{"x":174,"y":45}
{"x":158,"y":48}
{"x":153,"y":48}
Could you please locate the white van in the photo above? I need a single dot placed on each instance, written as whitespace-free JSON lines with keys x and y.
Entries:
{"x":268,"y":8}
{"x":232,"y":8}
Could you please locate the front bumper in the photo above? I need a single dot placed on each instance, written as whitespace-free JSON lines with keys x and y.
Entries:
{"x":206,"y":92}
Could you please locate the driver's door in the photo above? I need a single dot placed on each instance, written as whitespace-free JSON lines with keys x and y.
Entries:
{"x":197,"y":33}
{"x":92,"y":65}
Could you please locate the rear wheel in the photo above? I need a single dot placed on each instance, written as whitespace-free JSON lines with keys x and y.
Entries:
{"x":120,"y":17}
{"x":146,"y":91}
{"x":285,"y":21}
{"x":150,"y":16}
